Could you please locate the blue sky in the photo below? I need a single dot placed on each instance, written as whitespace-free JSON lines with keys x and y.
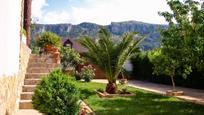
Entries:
{"x":97,"y":11}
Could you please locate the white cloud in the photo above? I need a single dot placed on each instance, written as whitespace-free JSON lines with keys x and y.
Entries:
{"x":104,"y":11}
{"x":56,"y":17}
{"x":37,"y":8}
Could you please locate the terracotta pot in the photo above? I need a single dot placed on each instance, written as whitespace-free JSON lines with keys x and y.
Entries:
{"x":56,"y":57}
{"x":55,"y":49}
{"x":48,"y":48}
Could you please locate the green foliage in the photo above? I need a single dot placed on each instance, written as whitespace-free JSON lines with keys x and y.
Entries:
{"x":24,"y":32}
{"x":143,"y":68}
{"x":185,"y":34}
{"x":48,"y":38}
{"x":110,"y":56}
{"x":56,"y":95}
{"x":142,"y":64}
{"x":100,"y":90}
{"x":124,"y":91}
{"x":181,"y":44}
{"x":34,"y":48}
{"x":69,"y":57}
{"x":87,"y":73}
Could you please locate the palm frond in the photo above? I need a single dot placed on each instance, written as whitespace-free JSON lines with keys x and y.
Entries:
{"x":110,"y":56}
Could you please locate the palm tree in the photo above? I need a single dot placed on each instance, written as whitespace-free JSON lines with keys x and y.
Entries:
{"x":110,"y":56}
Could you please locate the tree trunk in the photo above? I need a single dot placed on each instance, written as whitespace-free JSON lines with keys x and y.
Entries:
{"x":27,"y":19}
{"x":111,"y":87}
{"x":173,"y":83}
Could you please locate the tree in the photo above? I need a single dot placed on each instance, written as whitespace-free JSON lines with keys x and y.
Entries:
{"x":168,"y":66}
{"x":110,"y":56}
{"x":182,"y":42}
{"x":188,"y":27}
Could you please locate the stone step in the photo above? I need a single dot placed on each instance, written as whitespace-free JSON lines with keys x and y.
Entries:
{"x":35,"y":75}
{"x":28,"y":88}
{"x":25,"y":104}
{"x":28,"y":112}
{"x":49,"y":60}
{"x":31,"y":81}
{"x":38,"y":67}
{"x":42,"y":59}
{"x":47,"y":65}
{"x":37,"y":56}
{"x":40,"y":70}
{"x":26,"y":95}
{"x":31,"y":69}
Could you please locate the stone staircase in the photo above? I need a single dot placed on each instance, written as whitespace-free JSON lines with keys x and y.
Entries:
{"x":38,"y":67}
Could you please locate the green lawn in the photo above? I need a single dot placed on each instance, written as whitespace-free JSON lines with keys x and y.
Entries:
{"x":144,"y":103}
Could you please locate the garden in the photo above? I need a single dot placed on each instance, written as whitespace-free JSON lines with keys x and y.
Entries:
{"x":180,"y":54}
{"x":58,"y":94}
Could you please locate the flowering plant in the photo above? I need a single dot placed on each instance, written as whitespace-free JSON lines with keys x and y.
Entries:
{"x":87,"y":73}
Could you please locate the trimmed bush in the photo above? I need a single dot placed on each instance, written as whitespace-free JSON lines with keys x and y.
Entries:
{"x":56,"y":95}
{"x":143,"y":69}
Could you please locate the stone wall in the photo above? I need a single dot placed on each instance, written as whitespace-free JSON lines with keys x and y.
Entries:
{"x":11,"y":86}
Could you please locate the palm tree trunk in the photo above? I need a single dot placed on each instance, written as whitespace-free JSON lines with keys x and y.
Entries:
{"x":111,"y":87}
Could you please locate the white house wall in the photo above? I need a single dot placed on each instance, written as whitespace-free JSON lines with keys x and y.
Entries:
{"x":10,"y":17}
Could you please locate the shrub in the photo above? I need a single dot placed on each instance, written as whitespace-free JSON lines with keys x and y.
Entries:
{"x":34,"y":48}
{"x":87,"y":73}
{"x":48,"y":38}
{"x":142,"y":66}
{"x":69,"y":57}
{"x":56,"y":95}
{"x":143,"y":69}
{"x":124,"y":91}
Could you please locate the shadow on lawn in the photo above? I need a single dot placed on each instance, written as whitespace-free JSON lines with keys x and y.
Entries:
{"x":146,"y":104}
{"x":85,"y":93}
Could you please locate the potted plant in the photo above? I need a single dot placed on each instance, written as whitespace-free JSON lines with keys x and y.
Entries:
{"x":49,"y":41}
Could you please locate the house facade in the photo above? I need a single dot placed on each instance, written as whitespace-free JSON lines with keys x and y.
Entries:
{"x":14,"y":53}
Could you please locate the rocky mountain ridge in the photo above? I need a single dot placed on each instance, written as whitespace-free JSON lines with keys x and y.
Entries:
{"x":115,"y":28}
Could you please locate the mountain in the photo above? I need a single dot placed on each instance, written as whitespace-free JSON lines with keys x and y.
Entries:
{"x":115,"y":28}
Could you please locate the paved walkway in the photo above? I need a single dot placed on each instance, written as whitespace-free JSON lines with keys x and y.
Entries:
{"x":191,"y":95}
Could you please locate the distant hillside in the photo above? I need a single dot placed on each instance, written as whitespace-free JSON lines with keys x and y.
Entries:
{"x":116,"y":28}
